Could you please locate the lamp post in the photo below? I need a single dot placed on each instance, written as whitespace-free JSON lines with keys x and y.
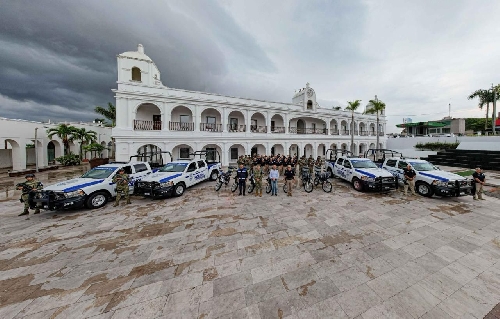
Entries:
{"x":493,"y":117}
{"x":36,"y":150}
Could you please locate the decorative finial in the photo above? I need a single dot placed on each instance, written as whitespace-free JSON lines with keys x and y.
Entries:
{"x":140,"y":49}
{"x":307,"y":84}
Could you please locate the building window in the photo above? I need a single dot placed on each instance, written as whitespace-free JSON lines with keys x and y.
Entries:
{"x":233,"y":123}
{"x":445,"y":130}
{"x":211,"y":120}
{"x":432,"y":130}
{"x":234,"y":153}
{"x":184,"y":152}
{"x":136,"y":74}
{"x":309,"y":105}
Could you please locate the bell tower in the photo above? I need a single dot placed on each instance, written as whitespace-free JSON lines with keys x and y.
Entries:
{"x":306,"y":97}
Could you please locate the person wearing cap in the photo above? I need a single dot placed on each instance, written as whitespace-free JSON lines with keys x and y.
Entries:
{"x":480,"y":179}
{"x":28,"y":189}
{"x":121,"y":179}
{"x":409,"y":180}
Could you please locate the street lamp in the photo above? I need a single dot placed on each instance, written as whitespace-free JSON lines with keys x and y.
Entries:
{"x":494,"y":109}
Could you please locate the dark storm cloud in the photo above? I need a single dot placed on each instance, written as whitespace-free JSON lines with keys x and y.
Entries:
{"x":63,"y":53}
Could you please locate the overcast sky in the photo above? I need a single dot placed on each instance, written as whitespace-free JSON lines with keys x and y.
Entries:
{"x":58,"y":57}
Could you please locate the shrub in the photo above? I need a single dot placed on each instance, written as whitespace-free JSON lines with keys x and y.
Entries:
{"x":436,"y":146}
{"x":68,"y":160}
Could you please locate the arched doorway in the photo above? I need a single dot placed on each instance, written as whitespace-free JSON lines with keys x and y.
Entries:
{"x":301,"y":126}
{"x":51,"y":152}
{"x":277,"y":124}
{"x":294,"y":150}
{"x":235,"y":151}
{"x":258,"y":149}
{"x":277,"y":149}
{"x":308,"y":150}
{"x":211,"y":120}
{"x":258,"y":123}
{"x":343,"y":146}
{"x":236,"y":122}
{"x":182,"y":151}
{"x":213,"y":152}
{"x":321,"y":151}
{"x":152,"y":154}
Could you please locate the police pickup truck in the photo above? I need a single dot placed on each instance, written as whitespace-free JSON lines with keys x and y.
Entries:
{"x":176,"y":176}
{"x":93,"y":189}
{"x":430,"y":180}
{"x":361,"y":172}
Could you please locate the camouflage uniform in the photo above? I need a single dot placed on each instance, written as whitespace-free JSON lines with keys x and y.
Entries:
{"x":121,"y":181}
{"x":257,"y":174}
{"x":27,"y":187}
{"x":241,"y":160}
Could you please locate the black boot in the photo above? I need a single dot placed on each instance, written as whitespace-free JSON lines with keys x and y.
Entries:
{"x":25,"y":212}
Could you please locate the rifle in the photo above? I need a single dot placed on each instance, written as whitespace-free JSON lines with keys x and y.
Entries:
{"x":26,"y":189}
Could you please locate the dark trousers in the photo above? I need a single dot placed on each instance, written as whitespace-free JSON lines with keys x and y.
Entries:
{"x":242,"y":184}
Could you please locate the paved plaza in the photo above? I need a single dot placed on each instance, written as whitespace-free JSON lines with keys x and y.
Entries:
{"x":216,"y":255}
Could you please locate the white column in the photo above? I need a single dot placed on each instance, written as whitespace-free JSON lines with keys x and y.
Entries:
{"x":248,"y":121}
{"x":168,"y":116}
{"x":224,"y":119}
{"x":315,"y":150}
{"x":327,"y":122}
{"x":286,"y":123}
{"x":268,"y":122}
{"x":225,"y":156}
{"x":196,"y":118}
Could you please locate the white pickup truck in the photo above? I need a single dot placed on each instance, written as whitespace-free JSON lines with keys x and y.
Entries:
{"x":363,"y":173}
{"x":93,"y":189}
{"x":430,"y":180}
{"x":176,"y":176}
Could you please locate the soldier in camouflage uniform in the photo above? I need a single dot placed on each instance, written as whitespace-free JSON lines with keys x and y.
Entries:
{"x":241,"y":160}
{"x":257,"y":174}
{"x":29,"y":187}
{"x":121,"y":179}
{"x":310,"y":164}
{"x":300,"y":165}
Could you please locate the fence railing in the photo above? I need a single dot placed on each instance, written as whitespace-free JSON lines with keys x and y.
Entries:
{"x":334,"y":132}
{"x":306,"y":130}
{"x":236,"y":128}
{"x":258,"y":129}
{"x":278,"y":129}
{"x":141,"y":125}
{"x":180,"y":126}
{"x":210,"y":127}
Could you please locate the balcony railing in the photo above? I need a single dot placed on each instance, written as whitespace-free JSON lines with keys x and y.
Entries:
{"x":334,"y":132}
{"x":141,"y":125}
{"x":363,"y":133}
{"x":258,"y":129}
{"x":372,"y":133}
{"x":236,"y":128}
{"x":278,"y":129}
{"x":210,"y":127}
{"x":307,"y":130}
{"x":180,"y":126}
{"x":345,"y":132}
{"x":381,"y":133}
{"x":356,"y":132}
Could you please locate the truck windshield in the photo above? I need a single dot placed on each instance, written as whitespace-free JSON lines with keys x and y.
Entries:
{"x":363,"y":164}
{"x":99,"y":173}
{"x":173,"y":167}
{"x":423,"y":166}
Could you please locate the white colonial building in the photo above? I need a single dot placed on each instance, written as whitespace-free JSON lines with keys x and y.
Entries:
{"x":151,"y":116}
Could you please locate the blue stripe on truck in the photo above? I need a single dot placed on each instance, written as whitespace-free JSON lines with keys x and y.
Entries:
{"x":166,"y":179}
{"x":77,"y":187}
{"x":366,"y":173}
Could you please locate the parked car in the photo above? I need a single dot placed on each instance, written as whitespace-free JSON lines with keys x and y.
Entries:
{"x":430,"y":180}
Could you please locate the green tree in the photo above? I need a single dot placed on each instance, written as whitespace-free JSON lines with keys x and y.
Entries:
{"x":352,"y":106}
{"x":109,"y":112}
{"x":83,"y":136}
{"x":376,"y":107}
{"x":95,"y":148}
{"x":64,"y":132}
{"x":485,"y":97}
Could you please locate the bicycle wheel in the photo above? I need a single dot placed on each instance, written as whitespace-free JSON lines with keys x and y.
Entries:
{"x":316,"y":181}
{"x":218,"y":185}
{"x":250,"y":188}
{"x":268,"y":188}
{"x":308,"y":186}
{"x":234,"y":187}
{"x":285,"y":188}
{"x":327,"y":186}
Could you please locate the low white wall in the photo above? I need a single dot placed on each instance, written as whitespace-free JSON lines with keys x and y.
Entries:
{"x":5,"y":158}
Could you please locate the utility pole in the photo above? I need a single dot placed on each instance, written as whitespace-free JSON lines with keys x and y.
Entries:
{"x":493,"y":118}
{"x":36,"y":149}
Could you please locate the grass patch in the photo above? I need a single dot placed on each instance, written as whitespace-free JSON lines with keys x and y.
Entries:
{"x":468,"y":172}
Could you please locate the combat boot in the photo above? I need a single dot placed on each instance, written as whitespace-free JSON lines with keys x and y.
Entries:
{"x":256,"y":193}
{"x":25,"y":212}
{"x":115,"y":204}
{"x":260,"y":194}
{"x":37,"y":211}
{"x":128,"y":202}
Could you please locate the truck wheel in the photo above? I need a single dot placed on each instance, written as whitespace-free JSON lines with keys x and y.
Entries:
{"x":214,"y":175}
{"x":424,"y":189}
{"x":357,"y":185}
{"x":179,"y":189}
{"x":96,"y":200}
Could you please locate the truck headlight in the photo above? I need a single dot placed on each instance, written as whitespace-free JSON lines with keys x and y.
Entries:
{"x":439,"y":183}
{"x":76,"y":193}
{"x":167,"y":184}
{"x":368,"y":179}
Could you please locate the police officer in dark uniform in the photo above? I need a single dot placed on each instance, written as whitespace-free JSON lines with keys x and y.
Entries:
{"x":242,"y":175}
{"x":479,"y":179}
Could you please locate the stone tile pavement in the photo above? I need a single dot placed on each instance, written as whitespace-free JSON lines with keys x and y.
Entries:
{"x":215,"y":255}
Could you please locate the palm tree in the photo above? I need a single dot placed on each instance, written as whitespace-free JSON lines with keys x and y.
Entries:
{"x":64,"y":132}
{"x":485,"y":97}
{"x":109,"y":113}
{"x":376,"y":107}
{"x":83,"y":136}
{"x":352,"y":106}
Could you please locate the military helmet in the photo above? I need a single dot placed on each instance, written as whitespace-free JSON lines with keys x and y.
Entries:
{"x":121,"y":169}
{"x":30,"y":175}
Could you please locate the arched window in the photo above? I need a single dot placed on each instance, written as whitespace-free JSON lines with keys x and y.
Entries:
{"x":309,"y":105}
{"x":136,"y":74}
